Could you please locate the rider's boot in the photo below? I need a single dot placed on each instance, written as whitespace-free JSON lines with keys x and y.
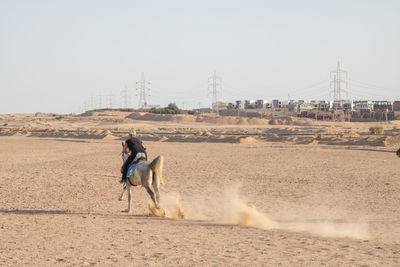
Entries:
{"x":123,"y":179}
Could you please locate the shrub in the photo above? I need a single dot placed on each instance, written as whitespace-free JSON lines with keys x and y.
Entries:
{"x":5,"y":124}
{"x":170,"y":109}
{"x":376,"y":130}
{"x":193,"y":112}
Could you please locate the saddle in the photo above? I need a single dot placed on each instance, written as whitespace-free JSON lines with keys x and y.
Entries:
{"x":137,"y":161}
{"x":132,"y":167}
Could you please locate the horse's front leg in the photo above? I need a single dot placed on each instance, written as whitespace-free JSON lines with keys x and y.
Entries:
{"x":129,"y":199}
{"x":121,"y":197}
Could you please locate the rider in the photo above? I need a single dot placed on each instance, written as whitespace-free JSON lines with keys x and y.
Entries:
{"x":137,"y":151}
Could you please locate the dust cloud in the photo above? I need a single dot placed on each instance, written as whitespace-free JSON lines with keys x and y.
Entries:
{"x":330,"y":229}
{"x":231,"y":208}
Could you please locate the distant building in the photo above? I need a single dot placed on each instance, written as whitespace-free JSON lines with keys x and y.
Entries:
{"x":383,"y":105}
{"x":268,"y":105}
{"x":363,"y":106}
{"x":219,"y":105}
{"x":396,"y":105}
{"x":249,"y":104}
{"x":239,"y":104}
{"x":313,"y":104}
{"x":343,"y":104}
{"x":284,"y":103}
{"x":203,"y":110}
{"x":324,"y":105}
{"x":276,"y":103}
{"x":259,"y":103}
{"x":294,"y":106}
{"x":348,"y":105}
{"x":306,"y":106}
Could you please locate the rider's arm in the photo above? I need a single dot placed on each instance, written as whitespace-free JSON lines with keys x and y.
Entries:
{"x":141,"y":142}
{"x":124,"y":148}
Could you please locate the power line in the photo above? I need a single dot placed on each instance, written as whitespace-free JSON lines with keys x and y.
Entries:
{"x":372,"y":86}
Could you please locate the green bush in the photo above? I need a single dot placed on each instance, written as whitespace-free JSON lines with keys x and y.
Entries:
{"x":5,"y":124}
{"x":376,"y":130}
{"x":193,"y":112}
{"x":170,"y":109}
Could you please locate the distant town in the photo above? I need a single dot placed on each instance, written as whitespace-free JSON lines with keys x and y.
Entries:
{"x":337,"y":109}
{"x":345,"y":110}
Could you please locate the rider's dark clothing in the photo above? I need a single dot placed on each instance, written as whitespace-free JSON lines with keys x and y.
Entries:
{"x":135,"y":146}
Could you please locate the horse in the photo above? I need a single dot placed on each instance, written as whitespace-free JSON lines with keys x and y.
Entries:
{"x":147,"y":174}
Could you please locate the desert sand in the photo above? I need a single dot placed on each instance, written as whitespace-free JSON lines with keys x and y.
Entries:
{"x":255,"y":199}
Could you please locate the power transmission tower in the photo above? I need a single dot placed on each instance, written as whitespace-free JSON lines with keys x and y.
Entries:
{"x":215,"y":86}
{"x":110,"y":98}
{"x":143,"y":85}
{"x":338,"y":78}
{"x":100,"y":97}
{"x":124,"y":97}
{"x":91,"y":102}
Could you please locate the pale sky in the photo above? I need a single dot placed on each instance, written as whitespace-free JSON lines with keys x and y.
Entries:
{"x":55,"y":56}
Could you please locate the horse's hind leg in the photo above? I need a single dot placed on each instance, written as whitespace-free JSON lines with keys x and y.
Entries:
{"x":157,"y":192}
{"x":156,"y":185}
{"x":151,"y":193}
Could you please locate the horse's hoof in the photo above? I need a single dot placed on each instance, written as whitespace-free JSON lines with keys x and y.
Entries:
{"x":120,"y":199}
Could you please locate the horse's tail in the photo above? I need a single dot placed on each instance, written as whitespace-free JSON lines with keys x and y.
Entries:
{"x":156,"y":165}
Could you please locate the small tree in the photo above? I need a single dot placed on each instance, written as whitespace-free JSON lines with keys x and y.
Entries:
{"x":170,"y":109}
{"x":376,"y":130}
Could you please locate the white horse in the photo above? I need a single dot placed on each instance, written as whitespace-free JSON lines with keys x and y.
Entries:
{"x":147,"y":174}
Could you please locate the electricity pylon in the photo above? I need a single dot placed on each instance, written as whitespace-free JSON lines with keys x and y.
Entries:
{"x":215,"y":86}
{"x":124,"y":97}
{"x":143,"y":85}
{"x":338,"y":78}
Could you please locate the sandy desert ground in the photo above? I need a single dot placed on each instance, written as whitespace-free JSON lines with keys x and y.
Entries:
{"x":255,"y":203}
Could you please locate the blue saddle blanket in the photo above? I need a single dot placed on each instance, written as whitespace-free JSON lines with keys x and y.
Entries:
{"x":132,"y":168}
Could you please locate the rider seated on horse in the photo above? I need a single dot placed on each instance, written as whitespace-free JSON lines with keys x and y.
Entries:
{"x":137,"y":151}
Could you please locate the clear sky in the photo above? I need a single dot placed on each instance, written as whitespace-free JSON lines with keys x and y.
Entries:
{"x":60,"y":56}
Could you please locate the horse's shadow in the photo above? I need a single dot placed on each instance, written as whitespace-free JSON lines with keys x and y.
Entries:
{"x":34,"y":212}
{"x":67,"y":212}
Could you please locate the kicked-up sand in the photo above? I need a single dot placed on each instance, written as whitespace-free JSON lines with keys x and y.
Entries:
{"x":260,"y":204}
